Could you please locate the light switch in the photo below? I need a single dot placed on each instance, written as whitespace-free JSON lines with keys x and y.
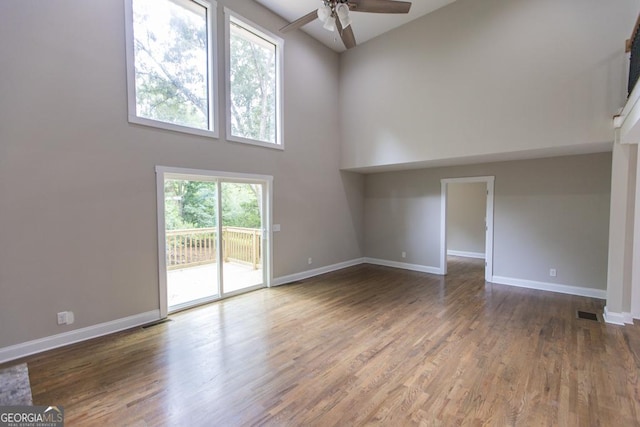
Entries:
{"x":276,"y":227}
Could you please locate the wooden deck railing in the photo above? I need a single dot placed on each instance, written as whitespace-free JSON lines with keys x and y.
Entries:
{"x":242,"y":245}
{"x":197,"y":246}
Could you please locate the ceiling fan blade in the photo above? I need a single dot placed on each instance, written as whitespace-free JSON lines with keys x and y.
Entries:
{"x":379,"y":6}
{"x":346,"y":34}
{"x":300,"y":22}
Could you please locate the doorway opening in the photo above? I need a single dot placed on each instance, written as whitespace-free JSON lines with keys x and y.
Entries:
{"x":213,"y":238}
{"x":467,"y":221}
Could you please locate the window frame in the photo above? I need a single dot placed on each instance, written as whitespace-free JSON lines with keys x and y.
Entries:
{"x":230,"y":15}
{"x":211,"y":7}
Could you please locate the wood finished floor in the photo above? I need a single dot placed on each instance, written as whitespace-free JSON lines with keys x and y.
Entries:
{"x":365,"y":345}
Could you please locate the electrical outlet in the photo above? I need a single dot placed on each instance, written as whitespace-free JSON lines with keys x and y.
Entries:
{"x":70,"y":317}
{"x":62,"y":318}
{"x":309,"y":261}
{"x":553,"y":272}
{"x":404,"y":254}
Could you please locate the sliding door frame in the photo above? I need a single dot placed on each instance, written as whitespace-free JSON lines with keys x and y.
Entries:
{"x":162,"y":172}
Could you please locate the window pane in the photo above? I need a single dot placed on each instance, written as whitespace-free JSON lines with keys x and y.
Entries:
{"x":252,"y":85}
{"x":171,"y":63}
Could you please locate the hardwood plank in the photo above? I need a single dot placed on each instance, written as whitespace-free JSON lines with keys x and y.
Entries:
{"x":364,"y":345}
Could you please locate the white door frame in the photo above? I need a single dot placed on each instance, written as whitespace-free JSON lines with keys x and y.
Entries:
{"x":199,"y":174}
{"x":490,"y":181}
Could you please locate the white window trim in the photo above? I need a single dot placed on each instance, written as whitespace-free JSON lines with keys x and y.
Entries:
{"x":279,"y":42}
{"x":212,"y":14}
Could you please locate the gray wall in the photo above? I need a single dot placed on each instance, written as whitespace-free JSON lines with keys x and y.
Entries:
{"x":466,"y":212}
{"x":77,"y":181}
{"x":549,"y":213}
{"x":486,"y":77}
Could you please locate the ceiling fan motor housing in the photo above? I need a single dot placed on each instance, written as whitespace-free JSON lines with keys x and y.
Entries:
{"x":335,"y":15}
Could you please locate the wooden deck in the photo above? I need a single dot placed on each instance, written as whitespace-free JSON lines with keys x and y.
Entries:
{"x":365,"y":345}
{"x":190,"y":283}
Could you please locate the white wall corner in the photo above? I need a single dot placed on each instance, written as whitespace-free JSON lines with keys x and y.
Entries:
{"x":66,"y":338}
{"x":617,"y":318}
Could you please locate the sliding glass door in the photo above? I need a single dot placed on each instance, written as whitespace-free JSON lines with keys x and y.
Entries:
{"x":213,"y":238}
{"x":191,"y":236}
{"x":242,"y":232}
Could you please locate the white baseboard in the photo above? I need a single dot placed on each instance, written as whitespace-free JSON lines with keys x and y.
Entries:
{"x":282,"y":280}
{"x":479,"y":255}
{"x":66,"y":338}
{"x":552,"y":287}
{"x":617,"y":318}
{"x":54,"y":341}
{"x":404,"y":265}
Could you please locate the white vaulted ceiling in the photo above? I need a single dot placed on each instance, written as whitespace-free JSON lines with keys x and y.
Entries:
{"x":365,"y":25}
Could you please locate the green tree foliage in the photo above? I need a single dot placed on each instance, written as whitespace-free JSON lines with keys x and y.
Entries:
{"x":171,"y":62}
{"x":172,"y":70}
{"x":199,"y":204}
{"x":253,"y":86}
{"x":193,"y":204}
{"x":240,"y":205}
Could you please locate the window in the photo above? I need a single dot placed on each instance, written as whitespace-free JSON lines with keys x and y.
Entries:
{"x":171,"y":73}
{"x":254,"y":86}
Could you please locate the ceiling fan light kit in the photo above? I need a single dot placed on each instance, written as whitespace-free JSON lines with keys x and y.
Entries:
{"x":342,"y":10}
{"x":324,"y":12}
{"x":330,"y":24}
{"x":336,"y":14}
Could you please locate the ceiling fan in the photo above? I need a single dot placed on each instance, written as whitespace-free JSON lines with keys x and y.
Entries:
{"x":334,"y":15}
